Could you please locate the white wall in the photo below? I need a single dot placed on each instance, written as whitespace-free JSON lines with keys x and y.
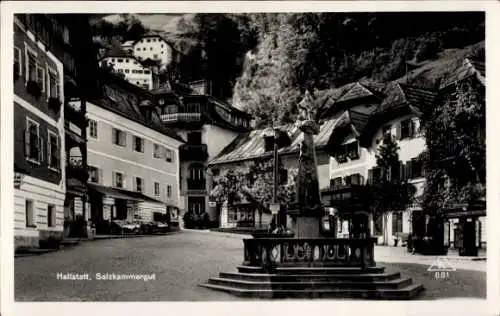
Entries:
{"x":109,"y":157}
{"x":154,"y":48}
{"x":134,"y":72}
{"x":216,"y":138}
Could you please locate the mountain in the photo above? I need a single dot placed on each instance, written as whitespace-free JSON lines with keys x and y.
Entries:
{"x":263,"y":62}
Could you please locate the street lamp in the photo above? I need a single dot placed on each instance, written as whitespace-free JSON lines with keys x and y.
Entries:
{"x":279,"y":140}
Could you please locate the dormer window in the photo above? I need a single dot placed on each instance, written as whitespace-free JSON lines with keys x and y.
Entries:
{"x":268,"y":143}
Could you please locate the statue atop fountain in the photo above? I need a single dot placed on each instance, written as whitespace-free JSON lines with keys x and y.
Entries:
{"x":308,"y":210}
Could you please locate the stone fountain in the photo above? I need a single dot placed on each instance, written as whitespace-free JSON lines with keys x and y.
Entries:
{"x":310,"y":264}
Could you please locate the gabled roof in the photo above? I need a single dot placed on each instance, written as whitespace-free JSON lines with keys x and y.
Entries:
{"x":118,"y":52}
{"x":123,"y":98}
{"x":357,"y":91}
{"x":251,"y":145}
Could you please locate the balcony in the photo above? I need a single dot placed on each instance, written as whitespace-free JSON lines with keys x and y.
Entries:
{"x":75,"y":169}
{"x":193,"y":152}
{"x":72,"y":113}
{"x":180,"y":117}
{"x":196,"y":186}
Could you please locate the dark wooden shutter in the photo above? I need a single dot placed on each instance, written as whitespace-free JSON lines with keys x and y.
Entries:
{"x":370,"y":176}
{"x":27,"y":142}
{"x":402,"y":171}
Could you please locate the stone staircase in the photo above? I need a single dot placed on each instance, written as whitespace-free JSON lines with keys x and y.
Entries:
{"x":316,"y":282}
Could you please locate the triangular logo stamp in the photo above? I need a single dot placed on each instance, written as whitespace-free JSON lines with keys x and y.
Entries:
{"x":441,"y":264}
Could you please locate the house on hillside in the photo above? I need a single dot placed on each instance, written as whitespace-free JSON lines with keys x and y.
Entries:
{"x":156,"y":48}
{"x":256,"y":145}
{"x":133,"y":159}
{"x":207,"y":125}
{"x":132,"y":68}
{"x":366,"y":112}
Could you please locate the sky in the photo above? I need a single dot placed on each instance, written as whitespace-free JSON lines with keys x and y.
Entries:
{"x":159,"y":22}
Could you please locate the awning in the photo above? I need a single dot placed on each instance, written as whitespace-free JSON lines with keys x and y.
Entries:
{"x":122,"y":194}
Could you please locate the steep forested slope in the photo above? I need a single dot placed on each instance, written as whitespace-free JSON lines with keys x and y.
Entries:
{"x":263,"y":62}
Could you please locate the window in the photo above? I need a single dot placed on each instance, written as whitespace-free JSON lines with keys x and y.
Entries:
{"x":144,"y":48}
{"x":127,"y":71}
{"x":148,"y":40}
{"x":119,"y":137}
{"x":145,"y":86}
{"x":162,"y":52}
{"x":169,"y":155}
{"x":53,"y":85}
{"x":138,"y":49}
{"x":269,"y":143}
{"x":157,"y":189}
{"x":93,"y":128}
{"x":93,"y":174}
{"x":120,"y":70}
{"x":40,"y":77}
{"x":151,"y":48}
{"x":147,"y":72}
{"x":30,"y":213}
{"x":120,"y":60}
{"x":138,"y":144}
{"x":53,"y":151}
{"x":30,"y":65}
{"x":155,"y":56}
{"x":161,"y":45}
{"x":51,"y":215}
{"x":406,"y":129}
{"x":112,"y":60}
{"x":119,"y":180}
{"x":32,"y":142}
{"x":156,"y":151}
{"x":169,"y":191}
{"x":138,"y":184}
{"x":415,"y":168}
{"x":397,"y":222}
{"x":137,"y":82}
{"x":17,"y":62}
{"x":126,"y":60}
{"x":139,"y":71}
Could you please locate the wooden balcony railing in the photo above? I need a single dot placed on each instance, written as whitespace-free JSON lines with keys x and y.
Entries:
{"x":183,"y":117}
{"x":321,"y":252}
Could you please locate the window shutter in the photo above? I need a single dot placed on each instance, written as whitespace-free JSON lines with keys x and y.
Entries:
{"x":99,"y":176}
{"x":123,"y":137}
{"x":27,"y":142}
{"x":114,"y":179}
{"x":408,"y":170}
{"x":49,"y":151}
{"x":40,"y":149}
{"x":398,"y":131}
{"x":370,"y":176}
{"x":402,"y":170}
{"x":113,"y":140}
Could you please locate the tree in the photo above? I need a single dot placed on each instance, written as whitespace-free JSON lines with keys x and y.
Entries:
{"x":454,"y":132}
{"x":256,"y":186}
{"x":391,"y":192}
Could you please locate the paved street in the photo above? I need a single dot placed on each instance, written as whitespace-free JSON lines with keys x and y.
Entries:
{"x":184,"y":260}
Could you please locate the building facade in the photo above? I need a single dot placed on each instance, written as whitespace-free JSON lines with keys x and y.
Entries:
{"x":207,"y":125}
{"x":133,"y":160}
{"x":156,"y":48}
{"x":257,"y":145}
{"x":131,"y":68}
{"x":367,"y":112}
{"x":39,"y":184}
